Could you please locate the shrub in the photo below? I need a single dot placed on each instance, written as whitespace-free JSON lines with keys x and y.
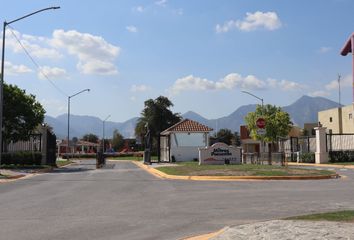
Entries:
{"x":21,"y":158}
{"x":307,"y":157}
{"x":341,"y":156}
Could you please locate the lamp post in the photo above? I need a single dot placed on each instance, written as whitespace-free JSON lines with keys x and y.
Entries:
{"x":255,"y":97}
{"x":2,"y":68}
{"x":68,"y":137}
{"x":262,"y":141}
{"x":103,"y":132}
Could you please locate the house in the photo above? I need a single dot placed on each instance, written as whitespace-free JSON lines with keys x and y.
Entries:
{"x":337,"y":120}
{"x":181,"y":142}
{"x":77,"y":147}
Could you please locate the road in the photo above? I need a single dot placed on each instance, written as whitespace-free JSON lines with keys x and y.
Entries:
{"x":125,"y":202}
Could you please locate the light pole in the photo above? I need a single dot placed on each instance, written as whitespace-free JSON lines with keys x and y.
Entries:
{"x":68,"y":137}
{"x":103,"y":132}
{"x":2,"y":68}
{"x":262,"y":141}
{"x":255,"y":97}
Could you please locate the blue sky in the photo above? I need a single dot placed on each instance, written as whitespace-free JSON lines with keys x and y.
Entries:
{"x":201,"y":54}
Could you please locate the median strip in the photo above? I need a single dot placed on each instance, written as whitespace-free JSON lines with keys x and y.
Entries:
{"x":163,"y":175}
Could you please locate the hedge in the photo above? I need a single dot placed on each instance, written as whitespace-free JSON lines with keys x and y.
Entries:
{"x":21,"y":158}
{"x":341,"y":156}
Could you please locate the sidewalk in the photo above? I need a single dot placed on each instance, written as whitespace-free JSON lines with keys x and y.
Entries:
{"x":288,"y":229}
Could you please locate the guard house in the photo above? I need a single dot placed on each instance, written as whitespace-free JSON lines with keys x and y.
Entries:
{"x":182,"y":141}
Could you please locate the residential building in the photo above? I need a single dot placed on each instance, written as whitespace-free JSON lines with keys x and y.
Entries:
{"x":182,"y":141}
{"x":337,"y":120}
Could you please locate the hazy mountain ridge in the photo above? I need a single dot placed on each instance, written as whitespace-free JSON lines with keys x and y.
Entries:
{"x":303,"y":110}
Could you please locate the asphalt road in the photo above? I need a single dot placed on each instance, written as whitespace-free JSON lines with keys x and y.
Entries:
{"x":124,"y":202}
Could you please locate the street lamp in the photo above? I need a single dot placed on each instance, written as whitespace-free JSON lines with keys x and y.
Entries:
{"x":69,"y":97}
{"x":262,"y":140}
{"x":2,"y":68}
{"x":103,"y":132}
{"x":255,"y":97}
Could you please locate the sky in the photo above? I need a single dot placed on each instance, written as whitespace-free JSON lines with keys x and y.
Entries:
{"x":201,"y":54}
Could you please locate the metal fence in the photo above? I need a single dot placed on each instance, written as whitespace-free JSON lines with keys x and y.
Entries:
{"x":34,"y":144}
{"x":340,"y":142}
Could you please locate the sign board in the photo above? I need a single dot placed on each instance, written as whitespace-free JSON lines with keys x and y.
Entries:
{"x":261,"y":131}
{"x":261,"y":123}
{"x":219,"y":153}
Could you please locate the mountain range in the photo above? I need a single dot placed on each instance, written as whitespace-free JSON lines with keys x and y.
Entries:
{"x":304,"y":110}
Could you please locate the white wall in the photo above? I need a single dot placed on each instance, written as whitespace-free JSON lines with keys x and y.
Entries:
{"x":185,"y":153}
{"x":187,"y":145}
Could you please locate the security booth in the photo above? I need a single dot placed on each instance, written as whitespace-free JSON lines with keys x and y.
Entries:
{"x":181,"y":141}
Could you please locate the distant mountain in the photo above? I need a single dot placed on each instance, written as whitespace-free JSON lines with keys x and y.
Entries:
{"x":304,"y":110}
{"x":81,"y":125}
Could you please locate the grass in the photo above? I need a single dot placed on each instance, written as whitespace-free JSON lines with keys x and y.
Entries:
{"x":193,"y":169}
{"x":63,"y":162}
{"x":340,"y":216}
{"x":19,"y":167}
{"x":342,"y":163}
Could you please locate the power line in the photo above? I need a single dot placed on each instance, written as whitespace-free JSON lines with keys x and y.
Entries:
{"x":35,"y":63}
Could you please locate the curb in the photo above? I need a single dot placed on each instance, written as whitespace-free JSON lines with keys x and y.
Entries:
{"x":162,"y":175}
{"x":206,"y":236}
{"x":321,"y":165}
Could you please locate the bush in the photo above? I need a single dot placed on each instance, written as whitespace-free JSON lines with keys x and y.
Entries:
{"x":307,"y":157}
{"x":21,"y":158}
{"x":341,"y":156}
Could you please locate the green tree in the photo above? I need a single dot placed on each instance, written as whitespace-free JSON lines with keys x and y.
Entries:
{"x":90,"y":137}
{"x":117,"y":140}
{"x":224,"y":135}
{"x":158,"y":116}
{"x":22,"y":113}
{"x":278,"y":123}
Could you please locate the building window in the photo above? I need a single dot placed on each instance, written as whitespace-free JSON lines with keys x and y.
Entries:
{"x":350,"y":116}
{"x":330,"y":119}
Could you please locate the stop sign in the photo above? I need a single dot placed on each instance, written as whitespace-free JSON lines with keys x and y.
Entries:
{"x":260,"y":123}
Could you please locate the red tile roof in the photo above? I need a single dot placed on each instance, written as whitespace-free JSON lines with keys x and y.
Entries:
{"x":187,"y":125}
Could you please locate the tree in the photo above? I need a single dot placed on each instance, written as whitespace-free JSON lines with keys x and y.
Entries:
{"x":90,"y":137}
{"x":22,"y":113}
{"x":117,"y":140}
{"x":278,"y":123}
{"x":158,"y":116}
{"x":224,"y":135}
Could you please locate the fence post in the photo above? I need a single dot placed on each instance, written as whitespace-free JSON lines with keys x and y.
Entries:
{"x":321,"y":154}
{"x":44,"y":142}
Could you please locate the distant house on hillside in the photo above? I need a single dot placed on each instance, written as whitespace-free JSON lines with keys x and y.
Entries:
{"x":182,"y":141}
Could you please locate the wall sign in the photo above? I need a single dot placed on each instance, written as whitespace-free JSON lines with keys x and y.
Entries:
{"x":220,"y":153}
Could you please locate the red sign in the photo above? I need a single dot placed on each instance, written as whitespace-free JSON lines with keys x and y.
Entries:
{"x":260,"y":123}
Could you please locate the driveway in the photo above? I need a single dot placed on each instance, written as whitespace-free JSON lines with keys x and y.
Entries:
{"x":122,"y":201}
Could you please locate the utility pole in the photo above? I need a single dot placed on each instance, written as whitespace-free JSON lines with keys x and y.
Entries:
{"x":339,"y":97}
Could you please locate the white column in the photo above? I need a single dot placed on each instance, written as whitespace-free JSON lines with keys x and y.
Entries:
{"x":321,"y":154}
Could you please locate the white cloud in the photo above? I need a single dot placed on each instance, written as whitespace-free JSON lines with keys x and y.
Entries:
{"x":232,"y":81}
{"x":139,"y":88}
{"x":139,"y":9}
{"x":52,"y":73}
{"x":36,"y":46}
{"x":15,"y":70}
{"x":132,"y":29}
{"x":284,"y":85}
{"x":324,"y":49}
{"x":161,"y":3}
{"x":319,"y":94}
{"x":253,"y":21}
{"x":345,"y":82}
{"x":96,"y":56}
